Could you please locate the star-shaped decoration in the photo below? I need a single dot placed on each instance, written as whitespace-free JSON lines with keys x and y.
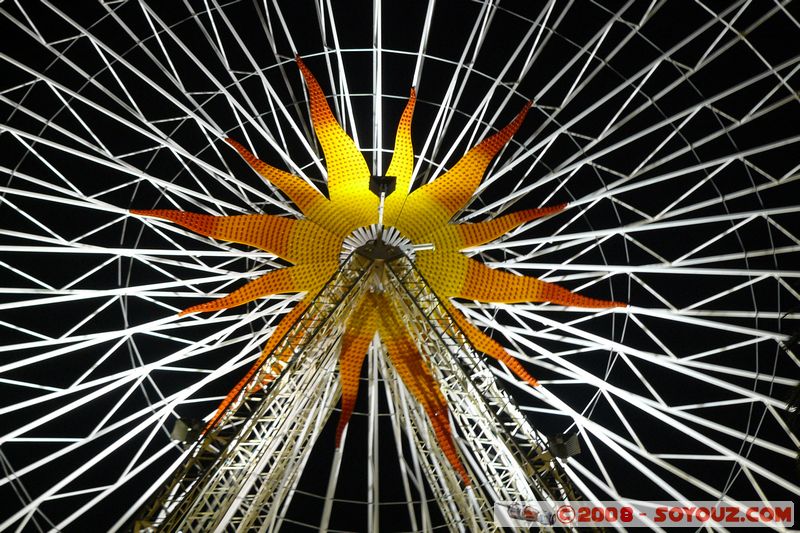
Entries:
{"x":313,"y":246}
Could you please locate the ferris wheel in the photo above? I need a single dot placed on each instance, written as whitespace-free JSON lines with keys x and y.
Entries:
{"x":654,"y":159}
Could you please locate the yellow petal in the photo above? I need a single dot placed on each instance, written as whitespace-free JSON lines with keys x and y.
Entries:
{"x":402,"y":165}
{"x":348,"y":174}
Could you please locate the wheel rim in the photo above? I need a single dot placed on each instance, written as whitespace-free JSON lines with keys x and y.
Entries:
{"x":679,"y":170}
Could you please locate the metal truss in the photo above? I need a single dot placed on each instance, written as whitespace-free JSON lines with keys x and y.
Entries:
{"x":507,"y":457}
{"x":682,"y":175}
{"x":242,"y":469}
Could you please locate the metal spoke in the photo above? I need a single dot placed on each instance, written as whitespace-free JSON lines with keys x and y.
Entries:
{"x":670,"y":132}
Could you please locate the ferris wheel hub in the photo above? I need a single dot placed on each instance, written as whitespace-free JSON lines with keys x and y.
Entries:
{"x":378,"y":242}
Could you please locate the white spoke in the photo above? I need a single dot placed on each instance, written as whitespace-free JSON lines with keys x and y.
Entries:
{"x":670,"y":130}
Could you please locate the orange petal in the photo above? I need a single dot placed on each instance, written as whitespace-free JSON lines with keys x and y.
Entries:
{"x":304,"y":196}
{"x":299,"y":278}
{"x":488,"y":285}
{"x":283,"y":327}
{"x":454,"y":275}
{"x":418,"y":380}
{"x":402,"y":165}
{"x":348,"y":174}
{"x":484,"y":232}
{"x":455,"y":188}
{"x":483,"y":343}
{"x":267,"y":232}
{"x":359,"y":330}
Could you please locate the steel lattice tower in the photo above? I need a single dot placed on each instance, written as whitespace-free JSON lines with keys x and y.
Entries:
{"x":239,"y":474}
{"x":669,"y":129}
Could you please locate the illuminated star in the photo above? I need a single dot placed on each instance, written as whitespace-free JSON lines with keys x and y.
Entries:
{"x":313,"y":245}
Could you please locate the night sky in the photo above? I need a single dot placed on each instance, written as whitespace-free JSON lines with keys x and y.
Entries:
{"x":671,"y":129}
